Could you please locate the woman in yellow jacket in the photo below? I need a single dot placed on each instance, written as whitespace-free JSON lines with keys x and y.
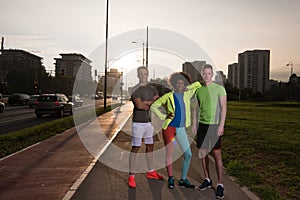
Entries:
{"x":176,"y":119}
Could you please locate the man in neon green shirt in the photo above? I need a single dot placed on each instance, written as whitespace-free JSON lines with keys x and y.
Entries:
{"x":212,"y":113}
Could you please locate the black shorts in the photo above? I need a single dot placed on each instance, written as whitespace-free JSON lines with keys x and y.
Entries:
{"x":207,"y":137}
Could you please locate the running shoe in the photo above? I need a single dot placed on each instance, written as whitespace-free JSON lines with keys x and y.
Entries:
{"x":185,"y":183}
{"x":206,"y":184}
{"x":220,"y":194}
{"x":171,"y":182}
{"x":154,"y":175}
{"x":131,"y":181}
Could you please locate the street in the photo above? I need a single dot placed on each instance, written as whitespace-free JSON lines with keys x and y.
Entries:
{"x":19,"y":117}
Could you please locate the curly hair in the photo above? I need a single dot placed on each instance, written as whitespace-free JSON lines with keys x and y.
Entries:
{"x":186,"y":78}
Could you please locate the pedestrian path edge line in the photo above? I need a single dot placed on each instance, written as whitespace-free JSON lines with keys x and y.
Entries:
{"x":78,"y":182}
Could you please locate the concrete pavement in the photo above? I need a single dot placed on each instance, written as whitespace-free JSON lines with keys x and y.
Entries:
{"x":74,"y":165}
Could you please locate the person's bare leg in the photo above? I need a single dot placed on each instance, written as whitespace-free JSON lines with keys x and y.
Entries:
{"x":149,"y":155}
{"x":219,"y":164}
{"x":205,"y":163}
{"x":132,"y":159}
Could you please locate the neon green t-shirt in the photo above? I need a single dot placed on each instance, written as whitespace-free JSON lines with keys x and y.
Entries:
{"x":209,"y":103}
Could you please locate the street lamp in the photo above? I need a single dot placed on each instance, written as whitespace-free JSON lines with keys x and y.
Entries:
{"x":126,"y":87}
{"x":121,"y":89}
{"x":290,"y":64}
{"x":143,"y":43}
{"x":106,"y":43}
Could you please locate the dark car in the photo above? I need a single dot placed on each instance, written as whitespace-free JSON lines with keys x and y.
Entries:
{"x":32,"y":100}
{"x":2,"y":106}
{"x":55,"y":104}
{"x":18,"y":99}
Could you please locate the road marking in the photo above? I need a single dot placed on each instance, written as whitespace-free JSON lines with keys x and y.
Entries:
{"x":13,"y":120}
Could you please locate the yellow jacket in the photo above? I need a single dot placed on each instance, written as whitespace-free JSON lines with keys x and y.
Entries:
{"x":167,"y":101}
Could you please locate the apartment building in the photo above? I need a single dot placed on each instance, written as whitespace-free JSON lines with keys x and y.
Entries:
{"x":193,"y":69}
{"x":234,"y":75}
{"x":74,"y":65}
{"x":18,"y":60}
{"x":254,"y":69}
{"x":251,"y":71}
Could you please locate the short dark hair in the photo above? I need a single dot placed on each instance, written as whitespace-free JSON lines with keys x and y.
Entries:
{"x":208,"y":66}
{"x":142,"y":67}
{"x":186,"y":78}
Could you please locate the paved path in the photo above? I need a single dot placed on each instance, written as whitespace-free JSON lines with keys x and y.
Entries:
{"x":105,"y":182}
{"x":66,"y":166}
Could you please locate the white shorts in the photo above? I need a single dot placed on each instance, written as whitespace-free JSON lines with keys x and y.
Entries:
{"x":142,"y":130}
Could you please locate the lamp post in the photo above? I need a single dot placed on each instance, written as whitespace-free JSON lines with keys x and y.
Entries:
{"x":290,"y":64}
{"x":121,"y":89}
{"x":291,"y":83}
{"x":105,"y":72}
{"x":143,"y":43}
{"x":126,"y":87}
{"x":147,"y":47}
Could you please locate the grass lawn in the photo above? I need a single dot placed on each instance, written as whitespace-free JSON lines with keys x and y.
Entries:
{"x":261,"y":147}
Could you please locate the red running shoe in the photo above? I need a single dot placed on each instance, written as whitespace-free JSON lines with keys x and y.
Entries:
{"x":154,"y":175}
{"x":131,"y":182}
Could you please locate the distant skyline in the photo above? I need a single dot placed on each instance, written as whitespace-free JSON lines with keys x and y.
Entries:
{"x":222,"y":28}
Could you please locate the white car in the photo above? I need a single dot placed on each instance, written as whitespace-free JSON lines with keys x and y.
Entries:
{"x":76,"y":101}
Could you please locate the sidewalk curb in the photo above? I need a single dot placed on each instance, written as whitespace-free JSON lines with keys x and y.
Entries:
{"x":82,"y":177}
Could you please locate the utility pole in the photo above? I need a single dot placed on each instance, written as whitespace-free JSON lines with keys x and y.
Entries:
{"x":290,"y":81}
{"x":147,"y":49}
{"x":2,"y":43}
{"x":290,"y":64}
{"x":105,"y":72}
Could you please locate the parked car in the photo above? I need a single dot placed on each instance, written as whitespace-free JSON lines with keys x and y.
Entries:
{"x":32,"y":100}
{"x":96,"y":96}
{"x":2,"y":106}
{"x":55,"y":104}
{"x":4,"y":99}
{"x":76,"y":100}
{"x":18,"y":99}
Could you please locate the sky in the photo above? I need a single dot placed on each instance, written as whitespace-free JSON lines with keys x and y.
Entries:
{"x":222,"y":28}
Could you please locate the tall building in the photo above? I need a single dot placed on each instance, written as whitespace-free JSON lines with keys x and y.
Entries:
{"x":220,"y":77}
{"x":254,"y":69}
{"x":113,"y":82}
{"x":193,"y":69}
{"x":74,"y":65}
{"x":18,"y":60}
{"x":234,"y":75}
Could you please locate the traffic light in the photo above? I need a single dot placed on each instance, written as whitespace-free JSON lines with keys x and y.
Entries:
{"x":35,"y":85}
